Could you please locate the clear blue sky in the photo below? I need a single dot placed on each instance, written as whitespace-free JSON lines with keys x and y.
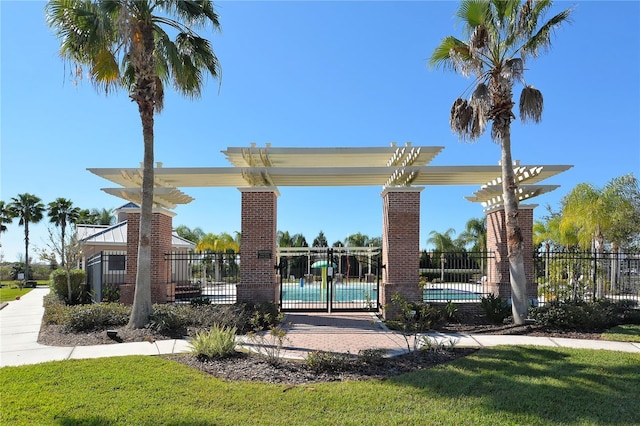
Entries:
{"x":316,"y":74}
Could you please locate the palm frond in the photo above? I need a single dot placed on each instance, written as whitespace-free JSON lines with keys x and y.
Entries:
{"x":473,"y":13}
{"x":541,"y":41}
{"x":513,"y":69}
{"x":481,"y":104}
{"x":531,"y":105}
{"x":441,"y":55}
{"x":480,"y":38}
{"x":461,"y":119}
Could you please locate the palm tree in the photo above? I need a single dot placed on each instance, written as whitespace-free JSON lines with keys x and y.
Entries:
{"x":475,"y":234}
{"x":443,"y":242}
{"x":194,"y":235}
{"x":5,"y":217}
{"x":501,"y":35}
{"x":28,"y":209}
{"x":599,"y":215}
{"x":126,"y":44}
{"x":96,"y":217}
{"x":285,"y":239}
{"x":218,"y":244}
{"x":62,"y":213}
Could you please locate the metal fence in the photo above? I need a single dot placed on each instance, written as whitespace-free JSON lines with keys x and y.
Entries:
{"x":587,"y":275}
{"x":455,"y":276}
{"x":210,"y":276}
{"x":105,"y":272}
{"x":460,"y":277}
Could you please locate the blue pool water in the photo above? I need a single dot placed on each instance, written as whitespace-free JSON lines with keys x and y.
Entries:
{"x":316,"y":292}
{"x":446,"y":294}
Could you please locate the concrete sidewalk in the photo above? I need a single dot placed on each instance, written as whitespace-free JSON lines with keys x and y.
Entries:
{"x":20,"y":322}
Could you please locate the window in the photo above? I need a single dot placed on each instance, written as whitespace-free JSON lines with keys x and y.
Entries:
{"x":117,"y":262}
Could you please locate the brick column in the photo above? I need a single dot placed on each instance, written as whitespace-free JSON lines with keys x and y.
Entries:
{"x":400,"y":245}
{"x":258,"y":245}
{"x":499,"y":280}
{"x":161,"y":235}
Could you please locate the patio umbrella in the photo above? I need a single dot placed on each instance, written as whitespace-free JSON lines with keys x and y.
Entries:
{"x":323,"y":264}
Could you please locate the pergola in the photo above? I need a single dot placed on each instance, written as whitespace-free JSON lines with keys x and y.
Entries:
{"x":401,"y":171}
{"x":387,"y":167}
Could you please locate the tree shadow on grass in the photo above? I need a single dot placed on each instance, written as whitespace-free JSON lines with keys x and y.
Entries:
{"x":540,"y":384}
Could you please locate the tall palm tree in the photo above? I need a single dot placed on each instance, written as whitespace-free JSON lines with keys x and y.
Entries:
{"x":28,"y":209}
{"x":62,"y":213}
{"x":501,"y":36}
{"x":127,"y":44}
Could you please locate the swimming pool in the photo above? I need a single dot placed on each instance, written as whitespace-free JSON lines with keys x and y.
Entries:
{"x":341,"y":292}
{"x":449,"y":294}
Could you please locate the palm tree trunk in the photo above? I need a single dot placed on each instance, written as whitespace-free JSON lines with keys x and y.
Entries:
{"x":517,"y":275}
{"x":26,"y":250}
{"x":144,"y":96}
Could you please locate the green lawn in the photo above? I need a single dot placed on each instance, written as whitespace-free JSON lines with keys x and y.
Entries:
{"x":505,"y":385}
{"x":623,"y":333}
{"x":8,"y":294}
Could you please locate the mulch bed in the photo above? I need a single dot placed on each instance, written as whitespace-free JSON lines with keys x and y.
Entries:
{"x":253,"y":367}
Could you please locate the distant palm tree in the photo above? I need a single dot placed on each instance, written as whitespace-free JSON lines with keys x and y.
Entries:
{"x":62,"y":213}
{"x":28,"y":209}
{"x":5,"y":217}
{"x":501,"y":35}
{"x":285,"y":239}
{"x":443,"y":242}
{"x":218,"y":244}
{"x":475,"y":234}
{"x":96,"y":217}
{"x":194,"y":235}
{"x":127,"y":44}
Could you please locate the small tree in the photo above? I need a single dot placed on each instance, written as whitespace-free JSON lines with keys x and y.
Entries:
{"x":60,"y":246}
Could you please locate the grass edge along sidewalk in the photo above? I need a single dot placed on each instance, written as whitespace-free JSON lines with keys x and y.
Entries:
{"x":502,"y":385}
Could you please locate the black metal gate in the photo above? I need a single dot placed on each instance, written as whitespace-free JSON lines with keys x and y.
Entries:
{"x":328,"y":280}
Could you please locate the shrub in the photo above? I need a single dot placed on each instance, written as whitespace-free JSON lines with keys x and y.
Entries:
{"x":371,"y":356}
{"x":328,"y":362}
{"x":167,"y":318}
{"x":268,"y":344}
{"x":412,"y":318}
{"x":218,"y":342}
{"x":495,"y":308}
{"x":264,"y":315}
{"x":79,"y":293}
{"x":198,"y":301}
{"x":111,"y":293}
{"x":98,"y":316}
{"x":600,"y":314}
{"x":54,"y":309}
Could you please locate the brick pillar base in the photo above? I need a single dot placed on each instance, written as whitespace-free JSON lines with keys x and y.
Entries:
{"x":258,"y":245}
{"x":499,"y":281}
{"x":400,"y":246}
{"x":161,"y":235}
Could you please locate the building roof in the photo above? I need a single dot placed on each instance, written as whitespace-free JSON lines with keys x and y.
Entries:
{"x":393,"y":166}
{"x":116,"y":235}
